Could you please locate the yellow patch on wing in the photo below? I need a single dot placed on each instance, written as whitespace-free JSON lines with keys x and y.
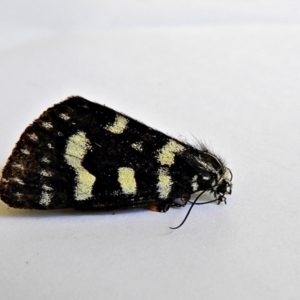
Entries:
{"x":77,"y":147}
{"x":118,"y":126}
{"x":127,"y":180}
{"x":167,"y":153}
{"x":164,"y":184}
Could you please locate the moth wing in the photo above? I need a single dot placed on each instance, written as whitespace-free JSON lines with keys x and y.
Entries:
{"x":76,"y":155}
{"x":36,"y":175}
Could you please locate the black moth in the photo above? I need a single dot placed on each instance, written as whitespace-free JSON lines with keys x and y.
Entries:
{"x":87,"y":156}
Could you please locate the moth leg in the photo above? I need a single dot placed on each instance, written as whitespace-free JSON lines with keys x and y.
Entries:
{"x":221,"y":199}
{"x":184,"y":200}
{"x":159,"y":207}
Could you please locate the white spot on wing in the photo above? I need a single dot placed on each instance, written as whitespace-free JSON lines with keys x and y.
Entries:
{"x":19,"y":181}
{"x":25,"y":151}
{"x":137,"y":146}
{"x":18,"y":166}
{"x":45,"y":198}
{"x":47,"y":125}
{"x":167,"y":153}
{"x":33,"y":136}
{"x":46,"y":173}
{"x":194,"y":183}
{"x":77,"y":147}
{"x":64,"y":117}
{"x":46,"y":195}
{"x":45,"y":160}
{"x":164,"y":184}
{"x":119,"y":125}
{"x":50,"y":146}
{"x":127,"y":180}
{"x":46,"y":187}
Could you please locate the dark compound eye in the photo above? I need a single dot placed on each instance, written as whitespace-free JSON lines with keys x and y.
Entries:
{"x":223,"y":188}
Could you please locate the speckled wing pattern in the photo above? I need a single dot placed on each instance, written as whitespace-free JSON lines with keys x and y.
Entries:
{"x":85,"y":155}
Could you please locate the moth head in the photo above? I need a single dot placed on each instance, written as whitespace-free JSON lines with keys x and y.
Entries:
{"x":220,"y":177}
{"x":212,"y":176}
{"x":224,"y":186}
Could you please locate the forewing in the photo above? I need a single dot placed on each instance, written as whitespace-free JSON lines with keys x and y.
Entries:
{"x":84,"y":155}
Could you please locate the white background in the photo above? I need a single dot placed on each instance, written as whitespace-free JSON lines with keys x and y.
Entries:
{"x":226,"y":72}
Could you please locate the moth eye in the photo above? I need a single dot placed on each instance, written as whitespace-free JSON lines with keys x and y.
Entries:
{"x":224,"y":188}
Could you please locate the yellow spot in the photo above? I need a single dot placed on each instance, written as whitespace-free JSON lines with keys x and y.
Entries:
{"x":167,"y":153}
{"x":46,"y":173}
{"x":164,"y":184}
{"x":33,"y":136}
{"x":47,"y":125}
{"x":137,"y":146}
{"x":77,"y":147}
{"x":127,"y":180}
{"x":64,"y":117}
{"x":119,"y":125}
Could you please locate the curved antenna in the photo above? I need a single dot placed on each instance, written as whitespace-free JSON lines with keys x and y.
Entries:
{"x":230,"y":174}
{"x":191,"y":207}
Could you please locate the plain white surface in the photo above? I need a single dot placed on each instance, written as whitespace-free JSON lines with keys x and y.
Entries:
{"x":227,"y":73}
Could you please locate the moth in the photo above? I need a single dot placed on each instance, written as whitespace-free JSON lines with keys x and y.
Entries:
{"x":83,"y":155}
